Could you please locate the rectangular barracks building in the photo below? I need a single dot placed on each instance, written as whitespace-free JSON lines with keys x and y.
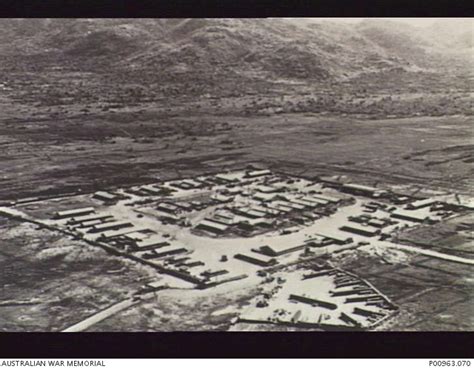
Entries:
{"x":265,"y":196}
{"x":279,"y":207}
{"x":249,"y":212}
{"x":267,"y":189}
{"x":363,"y":190}
{"x":260,"y":260}
{"x":322,"y":199}
{"x":150,"y":244}
{"x":416,"y":216}
{"x":337,"y":239}
{"x":278,"y":250}
{"x":229,"y":177}
{"x":105,"y":196}
{"x":217,"y":218}
{"x":258,"y":173}
{"x":110,"y":226}
{"x":74,"y":213}
{"x":292,"y":205}
{"x":306,"y":204}
{"x":167,"y":208}
{"x":87,"y":218}
{"x":131,"y":233}
{"x":211,"y":226}
{"x":151,"y":189}
{"x":420,"y":204}
{"x":360,"y":229}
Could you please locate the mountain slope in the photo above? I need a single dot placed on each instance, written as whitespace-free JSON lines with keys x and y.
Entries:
{"x":213,"y":49}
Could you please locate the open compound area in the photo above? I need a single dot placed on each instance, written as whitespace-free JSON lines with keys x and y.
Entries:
{"x":284,"y":242}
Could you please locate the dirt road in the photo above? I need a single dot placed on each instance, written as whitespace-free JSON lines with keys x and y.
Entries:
{"x":435,"y":254}
{"x":101,"y":315}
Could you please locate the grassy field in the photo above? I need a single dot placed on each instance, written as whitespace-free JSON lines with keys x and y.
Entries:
{"x":182,"y":311}
{"x":48,"y":282}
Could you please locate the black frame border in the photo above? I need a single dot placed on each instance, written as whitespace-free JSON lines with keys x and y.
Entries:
{"x":238,"y":345}
{"x":247,"y":344}
{"x":234,"y":8}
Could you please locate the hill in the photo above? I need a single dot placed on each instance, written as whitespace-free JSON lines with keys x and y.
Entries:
{"x":271,"y":48}
{"x":131,"y":61}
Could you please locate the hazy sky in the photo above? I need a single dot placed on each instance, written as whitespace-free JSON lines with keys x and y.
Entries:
{"x":422,"y":22}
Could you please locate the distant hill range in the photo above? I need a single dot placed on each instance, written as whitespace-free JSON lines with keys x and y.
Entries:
{"x":211,"y":50}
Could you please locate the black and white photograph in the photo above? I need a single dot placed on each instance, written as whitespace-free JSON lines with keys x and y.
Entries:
{"x":236,"y":175}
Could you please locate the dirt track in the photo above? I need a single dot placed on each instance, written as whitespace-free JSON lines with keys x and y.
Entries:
{"x":102,"y":315}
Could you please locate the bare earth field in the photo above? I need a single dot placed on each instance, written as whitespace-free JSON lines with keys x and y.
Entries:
{"x":86,"y":153}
